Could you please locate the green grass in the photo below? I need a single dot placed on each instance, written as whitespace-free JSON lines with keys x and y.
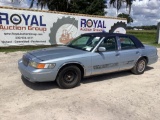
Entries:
{"x":145,"y":36}
{"x":21,"y":48}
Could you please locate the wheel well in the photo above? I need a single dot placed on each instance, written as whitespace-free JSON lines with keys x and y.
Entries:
{"x":145,"y":58}
{"x":75,"y":64}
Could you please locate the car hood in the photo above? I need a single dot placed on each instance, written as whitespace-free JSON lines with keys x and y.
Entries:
{"x":55,"y":52}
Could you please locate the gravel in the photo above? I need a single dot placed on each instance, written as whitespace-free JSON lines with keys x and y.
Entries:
{"x":115,"y":96}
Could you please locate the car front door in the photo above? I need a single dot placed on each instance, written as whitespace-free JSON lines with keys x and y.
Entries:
{"x":129,"y":54}
{"x":107,"y":61}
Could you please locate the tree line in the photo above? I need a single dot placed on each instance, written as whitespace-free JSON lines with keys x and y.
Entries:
{"x":92,"y":7}
{"x":151,"y":27}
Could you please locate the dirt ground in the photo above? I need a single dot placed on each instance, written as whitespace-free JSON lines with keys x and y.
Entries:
{"x":116,"y":96}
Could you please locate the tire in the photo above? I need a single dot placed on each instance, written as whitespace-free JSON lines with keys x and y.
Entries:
{"x":69,"y":77}
{"x":139,"y":67}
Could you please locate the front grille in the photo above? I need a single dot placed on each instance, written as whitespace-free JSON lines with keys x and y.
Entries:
{"x":25,"y":60}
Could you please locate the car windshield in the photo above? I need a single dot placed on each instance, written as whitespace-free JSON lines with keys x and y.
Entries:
{"x":86,"y":43}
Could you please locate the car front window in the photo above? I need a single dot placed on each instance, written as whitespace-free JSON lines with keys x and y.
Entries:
{"x":86,"y":43}
{"x":109,"y":43}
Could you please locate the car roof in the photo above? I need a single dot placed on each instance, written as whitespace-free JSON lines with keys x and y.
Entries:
{"x":105,"y":34}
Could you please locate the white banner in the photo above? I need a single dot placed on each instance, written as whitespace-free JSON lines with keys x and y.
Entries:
{"x":23,"y":27}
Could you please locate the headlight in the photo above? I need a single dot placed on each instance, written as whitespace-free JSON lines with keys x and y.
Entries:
{"x":42,"y":65}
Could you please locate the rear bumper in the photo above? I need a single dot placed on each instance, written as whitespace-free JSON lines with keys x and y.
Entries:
{"x":153,"y":60}
{"x":36,"y":75}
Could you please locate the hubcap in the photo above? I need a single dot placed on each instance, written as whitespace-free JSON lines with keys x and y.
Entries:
{"x":141,"y":66}
{"x":69,"y":76}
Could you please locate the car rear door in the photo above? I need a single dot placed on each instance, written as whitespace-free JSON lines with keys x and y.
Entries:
{"x":129,"y":54}
{"x":107,"y":61}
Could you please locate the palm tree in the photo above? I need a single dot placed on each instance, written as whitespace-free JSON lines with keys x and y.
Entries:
{"x":41,"y":3}
{"x":32,"y":2}
{"x":16,"y":0}
{"x":118,"y":3}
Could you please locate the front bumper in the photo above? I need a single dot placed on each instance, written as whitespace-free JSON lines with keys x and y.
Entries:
{"x":36,"y":75}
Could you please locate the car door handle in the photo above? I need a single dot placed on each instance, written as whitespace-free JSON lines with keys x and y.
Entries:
{"x":117,"y":54}
{"x":137,"y":52}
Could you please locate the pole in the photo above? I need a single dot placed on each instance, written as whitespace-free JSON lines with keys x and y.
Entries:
{"x":116,"y":7}
{"x":158,"y":33}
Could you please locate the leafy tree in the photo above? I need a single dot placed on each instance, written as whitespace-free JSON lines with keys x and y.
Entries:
{"x":59,"y":5}
{"x":93,"y":7}
{"x":56,"y":5}
{"x":127,"y":16}
{"x":118,"y":3}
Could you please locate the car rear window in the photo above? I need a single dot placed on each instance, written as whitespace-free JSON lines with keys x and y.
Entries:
{"x":126,"y":43}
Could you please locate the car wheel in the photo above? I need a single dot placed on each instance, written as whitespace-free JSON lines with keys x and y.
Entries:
{"x":69,"y":77}
{"x":139,"y":67}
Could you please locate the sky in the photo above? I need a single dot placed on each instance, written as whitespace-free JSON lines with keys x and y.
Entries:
{"x":143,"y":12}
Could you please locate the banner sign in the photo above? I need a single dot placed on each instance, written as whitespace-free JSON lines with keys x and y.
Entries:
{"x":23,"y":27}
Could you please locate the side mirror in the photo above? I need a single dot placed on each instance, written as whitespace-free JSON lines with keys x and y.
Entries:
{"x":101,"y":49}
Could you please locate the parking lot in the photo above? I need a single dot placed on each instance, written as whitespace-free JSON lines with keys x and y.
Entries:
{"x":115,"y":96}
